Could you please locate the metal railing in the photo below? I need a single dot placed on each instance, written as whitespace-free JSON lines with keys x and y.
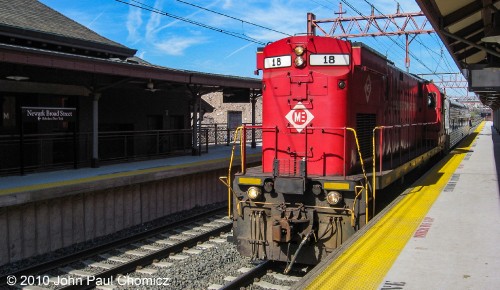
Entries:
{"x":133,"y":145}
{"x":66,"y":150}
{"x":218,"y":134}
{"x":422,"y":137}
{"x":39,"y":150}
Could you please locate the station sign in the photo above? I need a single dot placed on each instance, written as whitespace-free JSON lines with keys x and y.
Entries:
{"x":42,"y":114}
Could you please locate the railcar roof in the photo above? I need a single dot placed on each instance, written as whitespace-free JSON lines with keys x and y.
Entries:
{"x":365,"y":46}
{"x":389,"y":62}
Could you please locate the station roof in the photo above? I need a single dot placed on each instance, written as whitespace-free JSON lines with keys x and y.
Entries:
{"x":462,"y":26}
{"x":31,"y":22}
{"x":46,"y":46}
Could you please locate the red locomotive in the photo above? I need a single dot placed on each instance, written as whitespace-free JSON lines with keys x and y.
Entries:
{"x":340,"y":122}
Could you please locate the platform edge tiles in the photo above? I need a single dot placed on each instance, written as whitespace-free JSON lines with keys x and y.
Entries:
{"x":363,"y":262}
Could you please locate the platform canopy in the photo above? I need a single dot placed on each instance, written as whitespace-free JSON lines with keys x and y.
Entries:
{"x":42,"y":50}
{"x":470,"y":30}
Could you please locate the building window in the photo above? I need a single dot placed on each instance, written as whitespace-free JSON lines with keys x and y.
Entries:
{"x":234,"y":119}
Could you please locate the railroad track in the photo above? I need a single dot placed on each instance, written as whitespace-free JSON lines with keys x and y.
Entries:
{"x":265,"y":275}
{"x":190,"y":254}
{"x":94,"y":267}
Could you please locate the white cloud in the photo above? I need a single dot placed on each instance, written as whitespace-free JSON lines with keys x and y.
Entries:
{"x":176,"y":45}
{"x":273,"y":17}
{"x":227,"y":4}
{"x":141,"y":54}
{"x":134,"y":22}
{"x":95,"y":19}
{"x":172,"y":23}
{"x":238,"y":50}
{"x":154,"y":21}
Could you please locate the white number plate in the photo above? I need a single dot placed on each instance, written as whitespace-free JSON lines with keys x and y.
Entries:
{"x":278,"y":61}
{"x":329,"y":59}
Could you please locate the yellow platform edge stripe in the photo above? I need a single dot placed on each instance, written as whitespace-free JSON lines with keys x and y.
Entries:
{"x":40,"y":186}
{"x":366,"y":262}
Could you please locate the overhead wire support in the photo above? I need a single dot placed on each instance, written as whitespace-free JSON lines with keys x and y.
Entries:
{"x":449,"y":80}
{"x":452,"y":81}
{"x":375,"y":25}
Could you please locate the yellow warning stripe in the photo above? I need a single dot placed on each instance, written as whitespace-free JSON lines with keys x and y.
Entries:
{"x":366,"y":262}
{"x":109,"y":176}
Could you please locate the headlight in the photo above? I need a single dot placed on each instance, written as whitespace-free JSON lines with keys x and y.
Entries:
{"x":333,"y":197}
{"x":341,"y":85}
{"x":299,"y":61}
{"x":254,"y":192}
{"x":299,"y":50}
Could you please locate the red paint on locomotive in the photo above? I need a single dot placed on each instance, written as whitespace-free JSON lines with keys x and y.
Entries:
{"x":310,"y":105}
{"x":317,"y":93}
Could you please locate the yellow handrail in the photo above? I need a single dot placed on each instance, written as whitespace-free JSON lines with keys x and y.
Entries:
{"x":228,"y":177}
{"x":242,"y":150}
{"x":364,"y":172}
{"x":374,"y":179}
{"x":367,"y":184}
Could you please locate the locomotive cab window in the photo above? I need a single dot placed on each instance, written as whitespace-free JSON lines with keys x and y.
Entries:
{"x":431,"y":100}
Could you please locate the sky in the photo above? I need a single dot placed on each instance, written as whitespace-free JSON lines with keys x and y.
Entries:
{"x":173,"y":43}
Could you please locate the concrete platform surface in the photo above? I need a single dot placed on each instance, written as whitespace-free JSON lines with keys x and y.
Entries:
{"x":43,"y":185}
{"x":44,"y":212}
{"x":441,"y":233}
{"x":215,"y":152}
{"x":457,"y":246}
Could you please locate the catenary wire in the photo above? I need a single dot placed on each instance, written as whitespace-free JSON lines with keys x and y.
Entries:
{"x":154,"y":10}
{"x":234,"y":18}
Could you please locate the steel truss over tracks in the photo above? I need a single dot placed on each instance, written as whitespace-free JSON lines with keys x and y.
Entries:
{"x":374,"y":25}
{"x":469,"y":30}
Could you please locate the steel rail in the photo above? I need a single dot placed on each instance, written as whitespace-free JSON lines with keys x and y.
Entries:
{"x":248,"y":277}
{"x":148,"y":259}
{"x":68,"y":259}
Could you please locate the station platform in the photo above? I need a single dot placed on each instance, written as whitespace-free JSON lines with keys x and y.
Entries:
{"x":44,"y":185}
{"x":44,"y":212}
{"x":442,"y":233}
